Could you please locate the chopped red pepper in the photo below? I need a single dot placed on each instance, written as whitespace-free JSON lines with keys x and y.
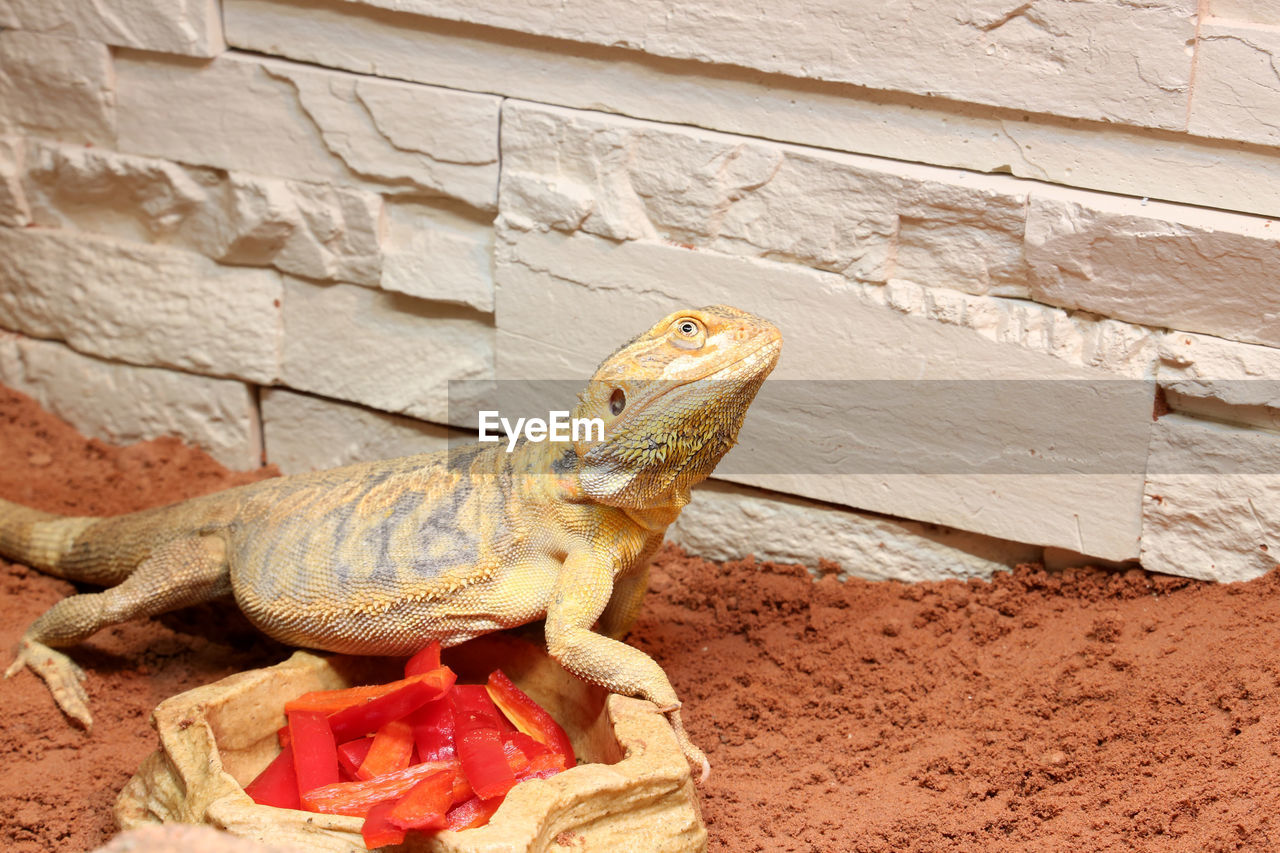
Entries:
{"x":542,"y":767}
{"x":424,"y":661}
{"x":527,"y":745}
{"x":391,"y":750}
{"x":371,"y":715}
{"x":476,"y":697}
{"x":356,"y":798}
{"x":378,"y":830}
{"x":471,"y":813}
{"x":277,"y":785}
{"x":528,"y":716}
{"x":433,"y":730}
{"x":479,"y":743}
{"x":425,"y":805}
{"x":440,"y":755}
{"x":315,"y":754}
{"x":351,"y":755}
{"x":332,"y":701}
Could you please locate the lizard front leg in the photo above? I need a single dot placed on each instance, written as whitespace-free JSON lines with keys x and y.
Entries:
{"x":582,"y":593}
{"x":624,"y":603}
{"x":177,"y":574}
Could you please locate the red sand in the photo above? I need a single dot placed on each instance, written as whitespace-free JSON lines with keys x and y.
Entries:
{"x":1078,"y":711}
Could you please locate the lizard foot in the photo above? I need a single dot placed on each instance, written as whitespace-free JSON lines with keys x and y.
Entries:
{"x":61,"y":675}
{"x":692,"y":754}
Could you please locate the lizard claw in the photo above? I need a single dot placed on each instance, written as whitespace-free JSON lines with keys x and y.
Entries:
{"x":60,"y":673}
{"x":692,"y":754}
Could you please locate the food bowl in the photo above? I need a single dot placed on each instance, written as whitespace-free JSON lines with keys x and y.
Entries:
{"x":632,"y":788}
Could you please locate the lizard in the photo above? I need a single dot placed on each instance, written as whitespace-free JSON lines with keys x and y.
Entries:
{"x":383,"y":557}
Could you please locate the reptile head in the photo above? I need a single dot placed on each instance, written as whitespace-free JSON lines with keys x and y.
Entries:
{"x":672,"y":401}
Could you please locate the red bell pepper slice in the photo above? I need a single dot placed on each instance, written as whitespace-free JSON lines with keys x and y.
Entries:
{"x":371,"y":715}
{"x":528,"y":716}
{"x":378,"y":830}
{"x":277,"y":784}
{"x":476,"y":697}
{"x":424,"y":661}
{"x":471,"y":813}
{"x":332,"y":701}
{"x":357,"y":798}
{"x":352,"y":754}
{"x":543,"y":767}
{"x":315,"y":753}
{"x":391,"y":750}
{"x":527,"y":745}
{"x":478,"y":740}
{"x":425,"y":805}
{"x":433,"y":731}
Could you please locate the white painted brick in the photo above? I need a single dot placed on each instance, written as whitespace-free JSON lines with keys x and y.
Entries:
{"x":1233,"y":373}
{"x":1211,"y":508}
{"x":1122,"y":160}
{"x":124,"y":404}
{"x":306,"y":433}
{"x":188,"y":27}
{"x":838,"y":330}
{"x":56,"y":87}
{"x":314,"y":230}
{"x":1107,"y":60}
{"x":867,"y":219}
{"x":1156,"y":264}
{"x":309,"y":124}
{"x":13,"y":200}
{"x":727,"y":522}
{"x":1221,"y":380}
{"x":141,"y":304}
{"x":1109,"y":157}
{"x":432,"y":254}
{"x":1251,"y":11}
{"x":1237,"y":89}
{"x":384,"y":350}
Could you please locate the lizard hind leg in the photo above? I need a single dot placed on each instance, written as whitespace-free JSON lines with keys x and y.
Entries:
{"x":177,"y":574}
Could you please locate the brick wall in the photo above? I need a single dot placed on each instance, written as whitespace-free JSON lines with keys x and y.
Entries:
{"x":279,"y":228}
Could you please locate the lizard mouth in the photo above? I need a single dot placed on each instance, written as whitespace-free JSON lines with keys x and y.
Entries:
{"x":766,"y":352}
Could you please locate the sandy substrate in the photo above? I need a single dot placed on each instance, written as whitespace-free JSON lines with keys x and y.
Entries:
{"x":1078,"y":711}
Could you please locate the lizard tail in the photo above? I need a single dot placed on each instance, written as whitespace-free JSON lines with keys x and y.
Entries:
{"x":39,"y":539}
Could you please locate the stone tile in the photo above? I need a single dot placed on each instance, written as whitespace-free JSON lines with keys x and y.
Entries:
{"x":867,"y":219}
{"x":384,"y":350}
{"x":1211,"y":507}
{"x":1101,"y":155}
{"x":1237,"y":89}
{"x":327,"y":232}
{"x":431,"y":253}
{"x":144,"y":305}
{"x":1156,"y":264}
{"x":1107,"y":60}
{"x":307,"y":433}
{"x":310,"y":124}
{"x":56,"y":87}
{"x":14,"y":211}
{"x":728,"y":522}
{"x":124,"y":404}
{"x":188,"y":27}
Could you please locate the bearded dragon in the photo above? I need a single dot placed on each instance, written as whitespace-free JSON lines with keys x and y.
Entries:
{"x":382,"y":558}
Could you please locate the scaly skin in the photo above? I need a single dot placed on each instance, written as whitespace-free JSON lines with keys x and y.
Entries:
{"x":383,"y":557}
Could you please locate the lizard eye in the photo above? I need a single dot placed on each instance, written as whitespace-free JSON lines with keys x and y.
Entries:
{"x":617,"y":401}
{"x":687,"y":333}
